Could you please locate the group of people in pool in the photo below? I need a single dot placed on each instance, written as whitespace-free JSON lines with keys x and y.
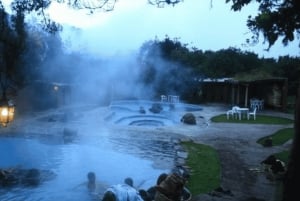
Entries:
{"x":168,"y":187}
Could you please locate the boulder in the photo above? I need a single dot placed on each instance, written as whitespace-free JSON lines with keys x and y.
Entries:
{"x":268,"y":142}
{"x":142,"y":110}
{"x":156,"y":108}
{"x":26,"y":177}
{"x":189,"y":118}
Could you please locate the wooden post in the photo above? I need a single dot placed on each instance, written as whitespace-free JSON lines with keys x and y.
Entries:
{"x":232,"y":95}
{"x":238,"y":94}
{"x":284,"y":95}
{"x":246,"y":96}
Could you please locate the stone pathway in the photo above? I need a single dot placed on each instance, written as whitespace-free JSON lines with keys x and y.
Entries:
{"x":239,"y":155}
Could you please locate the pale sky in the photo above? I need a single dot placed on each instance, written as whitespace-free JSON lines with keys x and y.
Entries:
{"x":132,"y":22}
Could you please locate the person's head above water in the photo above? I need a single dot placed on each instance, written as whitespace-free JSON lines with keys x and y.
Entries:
{"x":161,"y":178}
{"x":129,"y":181}
{"x":109,"y":196}
{"x":91,"y":177}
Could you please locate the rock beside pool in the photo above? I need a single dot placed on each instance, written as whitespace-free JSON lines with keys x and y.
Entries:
{"x":189,"y":118}
{"x":69,"y":135}
{"x":142,"y":110}
{"x":14,"y":177}
{"x":156,"y":108}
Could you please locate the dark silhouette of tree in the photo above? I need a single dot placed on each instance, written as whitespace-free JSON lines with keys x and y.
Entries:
{"x":37,"y":7}
{"x":289,"y":67}
{"x":163,"y":71}
{"x":229,"y":62}
{"x":275,"y":20}
{"x":22,"y":46}
{"x":12,"y":44}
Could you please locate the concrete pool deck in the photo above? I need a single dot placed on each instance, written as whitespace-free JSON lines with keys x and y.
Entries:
{"x":239,"y":154}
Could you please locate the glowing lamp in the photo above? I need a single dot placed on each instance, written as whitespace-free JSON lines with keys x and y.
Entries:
{"x":56,"y":88}
{"x":7,"y":111}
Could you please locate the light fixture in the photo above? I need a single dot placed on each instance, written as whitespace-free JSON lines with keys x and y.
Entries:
{"x":7,"y":111}
{"x":55,"y":88}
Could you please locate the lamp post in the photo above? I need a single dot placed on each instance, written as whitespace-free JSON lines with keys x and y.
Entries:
{"x":7,"y":111}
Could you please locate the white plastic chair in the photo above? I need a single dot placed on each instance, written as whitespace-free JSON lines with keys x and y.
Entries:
{"x":261,"y":105}
{"x":253,"y":113}
{"x":163,"y":98}
{"x":233,"y":112}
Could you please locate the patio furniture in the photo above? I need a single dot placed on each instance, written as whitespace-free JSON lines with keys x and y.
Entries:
{"x":256,"y":103}
{"x":163,"y":98}
{"x":173,"y":99}
{"x":233,"y":112}
{"x":253,"y":113}
{"x":242,"y":111}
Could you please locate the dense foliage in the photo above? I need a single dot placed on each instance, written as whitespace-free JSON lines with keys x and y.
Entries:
{"x":181,"y":68}
{"x":12,"y":44}
{"x":23,"y":46}
{"x":275,"y":20}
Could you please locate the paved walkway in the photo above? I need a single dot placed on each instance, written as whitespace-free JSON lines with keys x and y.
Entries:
{"x":239,"y":154}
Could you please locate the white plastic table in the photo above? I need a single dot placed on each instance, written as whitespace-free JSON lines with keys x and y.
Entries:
{"x":241,"y":111}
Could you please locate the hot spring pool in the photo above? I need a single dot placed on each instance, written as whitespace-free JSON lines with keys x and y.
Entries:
{"x":113,"y":154}
{"x":139,"y":113}
{"x":71,"y":163}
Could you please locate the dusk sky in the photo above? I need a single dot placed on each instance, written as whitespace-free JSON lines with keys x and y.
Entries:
{"x":132,"y":22}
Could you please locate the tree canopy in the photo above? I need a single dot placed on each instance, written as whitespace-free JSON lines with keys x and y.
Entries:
{"x":275,"y":20}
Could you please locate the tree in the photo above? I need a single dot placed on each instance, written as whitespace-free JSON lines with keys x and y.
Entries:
{"x":275,"y":20}
{"x":37,"y":7}
{"x":12,"y":44}
{"x":280,"y":19}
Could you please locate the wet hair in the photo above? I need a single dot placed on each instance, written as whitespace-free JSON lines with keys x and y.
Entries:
{"x":91,"y":176}
{"x":129,"y":181}
{"x":144,"y":195}
{"x":161,"y":178}
{"x":109,"y":196}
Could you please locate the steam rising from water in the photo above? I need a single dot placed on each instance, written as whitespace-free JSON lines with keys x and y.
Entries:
{"x":83,"y":77}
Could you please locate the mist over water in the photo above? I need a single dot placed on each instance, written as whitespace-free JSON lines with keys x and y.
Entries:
{"x":84,"y":76}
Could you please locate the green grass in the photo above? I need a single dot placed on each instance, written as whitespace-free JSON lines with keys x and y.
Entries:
{"x":283,"y":156}
{"x":260,"y":119}
{"x":280,"y":137}
{"x":204,"y":160}
{"x":205,"y":168}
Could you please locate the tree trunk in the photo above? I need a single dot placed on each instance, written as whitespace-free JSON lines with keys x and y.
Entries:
{"x":291,"y":183}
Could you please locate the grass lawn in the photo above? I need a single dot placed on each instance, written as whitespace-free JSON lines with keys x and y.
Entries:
{"x":280,"y":137}
{"x":283,"y":156}
{"x":205,"y":168}
{"x":204,"y":160}
{"x":260,"y":119}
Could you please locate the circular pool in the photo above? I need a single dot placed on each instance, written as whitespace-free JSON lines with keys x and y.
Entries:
{"x":147,"y":113}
